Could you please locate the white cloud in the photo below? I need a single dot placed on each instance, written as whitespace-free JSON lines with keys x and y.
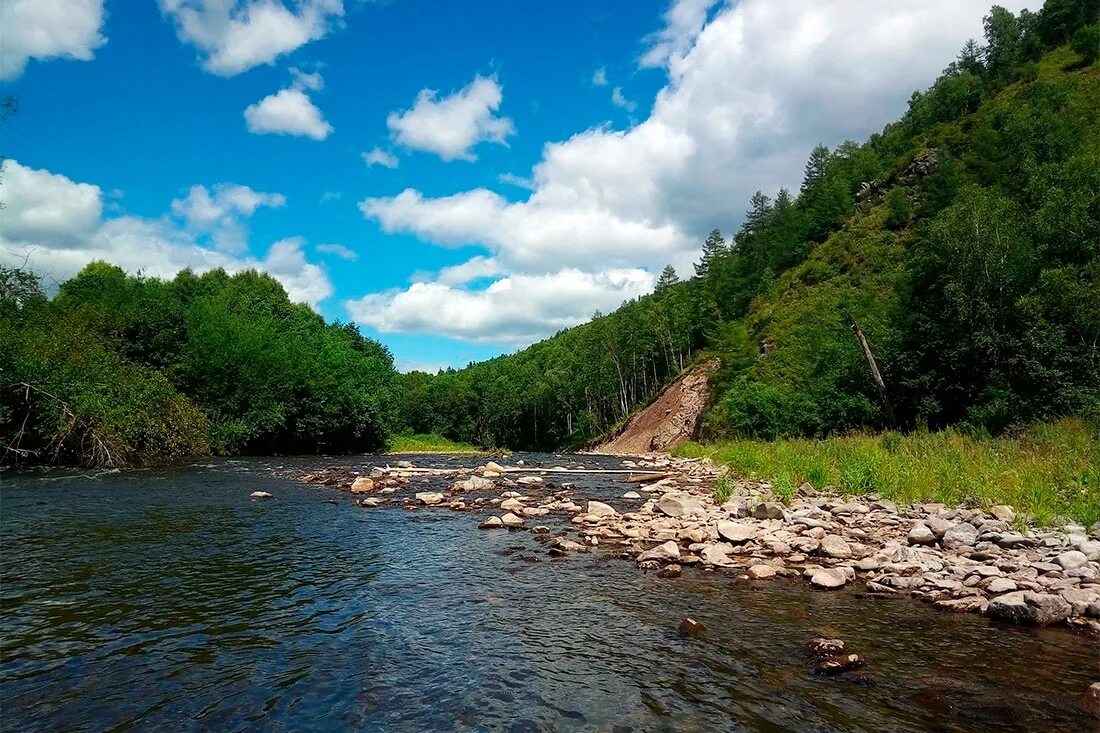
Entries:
{"x":57,"y":225}
{"x":338,"y":250}
{"x":746,"y":99}
{"x":452,"y":125}
{"x":236,"y":35}
{"x":513,"y":310}
{"x":684,"y":21}
{"x":221,"y":214}
{"x":619,"y":100}
{"x":290,"y":111}
{"x":465,"y":272}
{"x":599,"y":77}
{"x":511,"y":179}
{"x":48,"y":29}
{"x":381,"y":157}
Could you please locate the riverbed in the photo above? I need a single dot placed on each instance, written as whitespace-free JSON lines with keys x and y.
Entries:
{"x":168,"y":600}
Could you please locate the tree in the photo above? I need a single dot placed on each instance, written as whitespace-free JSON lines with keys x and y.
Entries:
{"x":1086,"y":42}
{"x":969,"y":60}
{"x":1002,"y":42}
{"x":714,"y":246}
{"x":667,"y":279}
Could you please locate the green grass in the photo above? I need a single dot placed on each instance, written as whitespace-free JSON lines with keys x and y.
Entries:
{"x":428,"y":444}
{"x":1049,"y":474}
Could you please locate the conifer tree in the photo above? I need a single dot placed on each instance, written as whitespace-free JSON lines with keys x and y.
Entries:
{"x":713,"y":247}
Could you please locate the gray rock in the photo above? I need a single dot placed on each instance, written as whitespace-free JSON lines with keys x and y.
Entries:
{"x":735,"y":532}
{"x":679,"y":505}
{"x":1091,"y":548}
{"x":1072,"y":559}
{"x":631,"y":495}
{"x":601,"y":510}
{"x":429,"y":498}
{"x":939,"y":525}
{"x":491,"y":523}
{"x":828,"y":578}
{"x":715,"y":555}
{"x":661,"y":553}
{"x":834,"y":546}
{"x":920,"y":534}
{"x":511,"y":520}
{"x":474,"y":483}
{"x":1028,"y":607}
{"x":1003,"y":513}
{"x":960,"y":535}
{"x":1001,"y":585}
{"x":768,"y":510}
{"x":1012,"y":541}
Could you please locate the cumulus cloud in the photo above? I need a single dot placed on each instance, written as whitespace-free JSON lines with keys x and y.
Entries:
{"x":235,"y":35}
{"x":749,"y":92}
{"x":451,"y":126}
{"x":290,"y":111}
{"x":220,"y":212}
{"x":48,"y":29}
{"x":57,"y":226}
{"x":465,"y":272}
{"x":619,"y":100}
{"x":514,"y":310}
{"x":338,"y":250}
{"x":684,"y":21}
{"x":381,"y":157}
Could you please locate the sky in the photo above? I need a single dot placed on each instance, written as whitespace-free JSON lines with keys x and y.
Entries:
{"x":460,"y":179}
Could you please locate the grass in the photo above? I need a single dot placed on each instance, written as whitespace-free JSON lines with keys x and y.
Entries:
{"x":1049,"y":474}
{"x":428,"y":444}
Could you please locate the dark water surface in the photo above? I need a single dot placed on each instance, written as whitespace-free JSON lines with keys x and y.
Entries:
{"x":167,"y":600}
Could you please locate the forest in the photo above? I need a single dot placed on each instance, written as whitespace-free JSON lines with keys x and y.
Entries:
{"x":963,"y":239}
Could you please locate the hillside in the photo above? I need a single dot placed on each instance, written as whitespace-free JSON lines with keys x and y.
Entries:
{"x":962,"y":239}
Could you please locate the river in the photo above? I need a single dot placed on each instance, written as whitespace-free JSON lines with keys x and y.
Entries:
{"x":167,"y":600}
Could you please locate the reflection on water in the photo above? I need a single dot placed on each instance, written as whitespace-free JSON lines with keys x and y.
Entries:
{"x":168,"y":600}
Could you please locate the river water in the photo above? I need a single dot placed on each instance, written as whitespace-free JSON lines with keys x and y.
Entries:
{"x":167,"y":600}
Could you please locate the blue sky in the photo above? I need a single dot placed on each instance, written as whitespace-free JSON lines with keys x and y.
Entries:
{"x":213,"y":132}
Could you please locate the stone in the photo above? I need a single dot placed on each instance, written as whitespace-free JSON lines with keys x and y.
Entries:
{"x":838,"y":663}
{"x":1001,"y":585}
{"x":967,"y":604}
{"x":768,"y":510}
{"x":1091,"y":548}
{"x":567,"y":545}
{"x":511,"y":520}
{"x":662,"y":553}
{"x":474,"y":483}
{"x":868,"y":564}
{"x":1090,"y":701}
{"x":491,"y":523}
{"x":362,"y":485}
{"x":691,"y":627}
{"x":1072,"y":559}
{"x":679,"y":505}
{"x":1013,"y":540}
{"x":429,"y":498}
{"x":921,"y":534}
{"x":735,"y":532}
{"x":715,"y":555}
{"x":1028,"y":607}
{"x":511,"y":505}
{"x":600,"y":509}
{"x":387,"y":491}
{"x":835,"y":547}
{"x":960,"y":535}
{"x":494,"y":467}
{"x":828,"y":578}
{"x":632,"y":495}
{"x":405,"y":464}
{"x":822,"y":647}
{"x":1003,"y":512}
{"x":672,"y":570}
{"x":939,"y":525}
{"x":372,"y":501}
{"x":526,"y":480}
{"x":761,"y":572}
{"x":260,"y":496}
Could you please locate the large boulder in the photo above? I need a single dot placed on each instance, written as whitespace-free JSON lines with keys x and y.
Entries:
{"x":735,"y":532}
{"x":1028,"y":607}
{"x":662,"y":553}
{"x":679,"y":505}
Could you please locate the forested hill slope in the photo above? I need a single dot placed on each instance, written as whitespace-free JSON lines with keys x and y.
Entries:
{"x":964,"y":239}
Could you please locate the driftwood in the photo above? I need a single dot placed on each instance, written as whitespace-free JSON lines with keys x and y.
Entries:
{"x":635,"y":478}
{"x":880,"y":385}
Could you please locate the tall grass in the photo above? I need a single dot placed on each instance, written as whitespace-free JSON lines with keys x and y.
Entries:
{"x":1049,"y":474}
{"x":428,"y":444}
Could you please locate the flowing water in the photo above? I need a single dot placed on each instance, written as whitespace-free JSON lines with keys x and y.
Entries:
{"x":167,"y":600}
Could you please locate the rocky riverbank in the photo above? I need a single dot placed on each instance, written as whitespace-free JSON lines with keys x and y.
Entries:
{"x":958,"y":559}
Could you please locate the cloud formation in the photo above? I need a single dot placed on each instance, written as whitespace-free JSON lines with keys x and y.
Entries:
{"x":290,"y":111}
{"x":57,"y":226}
{"x":381,"y":157}
{"x":749,"y":92}
{"x":233,"y":36}
{"x":451,"y":126}
{"x":48,"y":29}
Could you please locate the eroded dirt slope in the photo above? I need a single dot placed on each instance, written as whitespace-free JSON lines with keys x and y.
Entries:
{"x":670,"y":420}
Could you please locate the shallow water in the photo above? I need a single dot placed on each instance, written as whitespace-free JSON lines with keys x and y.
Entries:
{"x":168,"y":600}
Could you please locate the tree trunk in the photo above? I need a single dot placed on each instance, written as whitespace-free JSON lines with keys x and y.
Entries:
{"x":875,"y":374}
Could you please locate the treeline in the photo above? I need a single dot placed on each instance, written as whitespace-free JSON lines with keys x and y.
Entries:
{"x":964,"y":239}
{"x":127,"y":370}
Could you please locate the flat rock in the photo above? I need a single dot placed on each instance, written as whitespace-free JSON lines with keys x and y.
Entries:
{"x":735,"y":532}
{"x":662,"y":553}
{"x":828,"y":578}
{"x":474,"y":483}
{"x":672,"y":570}
{"x":1072,"y":560}
{"x":761,"y":572}
{"x":511,"y":520}
{"x":822,"y":647}
{"x":529,"y":480}
{"x":1003,"y":512}
{"x":362,"y":485}
{"x":1001,"y":585}
{"x":260,"y":496}
{"x":511,"y":505}
{"x":600,"y":509}
{"x":1014,"y":540}
{"x":679,"y":505}
{"x":567,"y":545}
{"x":372,"y":501}
{"x":429,"y":498}
{"x":838,"y":663}
{"x":835,"y":547}
{"x":632,"y":495}
{"x":1028,"y":607}
{"x":716,"y":555}
{"x":960,"y":535}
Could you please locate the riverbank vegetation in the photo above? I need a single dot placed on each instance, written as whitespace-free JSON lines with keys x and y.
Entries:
{"x":406,"y":443}
{"x":962,"y":240}
{"x":117,"y":370}
{"x":1047,"y":473}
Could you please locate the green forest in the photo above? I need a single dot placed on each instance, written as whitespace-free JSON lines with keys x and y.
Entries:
{"x":964,"y":240}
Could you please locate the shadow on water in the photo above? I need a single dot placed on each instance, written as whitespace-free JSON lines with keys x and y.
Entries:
{"x":168,"y":600}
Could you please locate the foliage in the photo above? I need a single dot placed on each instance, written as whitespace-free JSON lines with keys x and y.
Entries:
{"x":1051,"y":472}
{"x":119,"y":369}
{"x":427,"y":444}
